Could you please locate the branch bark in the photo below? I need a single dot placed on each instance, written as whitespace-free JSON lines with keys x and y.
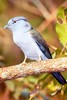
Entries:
{"x":33,"y":68}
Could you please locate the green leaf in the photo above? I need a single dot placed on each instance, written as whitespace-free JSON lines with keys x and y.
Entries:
{"x":61,"y":25}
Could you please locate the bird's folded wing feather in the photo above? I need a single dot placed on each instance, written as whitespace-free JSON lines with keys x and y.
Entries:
{"x":41,"y":43}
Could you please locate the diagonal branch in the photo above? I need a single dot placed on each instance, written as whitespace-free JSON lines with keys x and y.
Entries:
{"x":45,"y":23}
{"x":41,"y":8}
{"x":33,"y":68}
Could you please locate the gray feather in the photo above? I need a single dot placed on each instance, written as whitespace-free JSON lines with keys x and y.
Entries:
{"x":41,"y":43}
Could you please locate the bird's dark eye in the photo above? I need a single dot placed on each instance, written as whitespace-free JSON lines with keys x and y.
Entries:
{"x":14,"y":21}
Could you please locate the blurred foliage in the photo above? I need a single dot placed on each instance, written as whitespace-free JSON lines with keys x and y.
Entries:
{"x":39,"y":87}
{"x":3,"y":5}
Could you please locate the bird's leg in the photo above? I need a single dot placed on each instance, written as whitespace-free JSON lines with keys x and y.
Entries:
{"x":39,"y":58}
{"x":24,"y":61}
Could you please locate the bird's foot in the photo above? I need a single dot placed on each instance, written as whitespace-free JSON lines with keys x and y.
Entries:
{"x":24,"y":61}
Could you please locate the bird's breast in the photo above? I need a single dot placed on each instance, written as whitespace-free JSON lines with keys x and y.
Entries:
{"x":28,"y":45}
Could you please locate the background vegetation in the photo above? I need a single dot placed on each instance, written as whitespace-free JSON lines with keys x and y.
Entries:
{"x":49,"y":17}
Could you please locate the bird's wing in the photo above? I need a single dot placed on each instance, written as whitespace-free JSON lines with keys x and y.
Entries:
{"x":41,"y":43}
{"x":44,"y":48}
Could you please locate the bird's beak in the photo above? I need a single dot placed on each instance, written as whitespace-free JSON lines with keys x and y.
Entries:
{"x":6,"y":26}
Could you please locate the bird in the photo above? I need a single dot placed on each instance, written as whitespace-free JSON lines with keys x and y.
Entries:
{"x":31,"y":42}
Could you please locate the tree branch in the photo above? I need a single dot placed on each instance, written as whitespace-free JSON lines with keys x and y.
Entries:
{"x":33,"y":68}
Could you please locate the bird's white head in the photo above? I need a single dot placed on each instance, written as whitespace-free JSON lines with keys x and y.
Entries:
{"x":17,"y":24}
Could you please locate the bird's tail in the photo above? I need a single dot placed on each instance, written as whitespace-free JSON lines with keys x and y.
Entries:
{"x":59,"y":77}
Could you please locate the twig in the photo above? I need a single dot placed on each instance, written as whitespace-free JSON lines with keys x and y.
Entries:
{"x":33,"y":68}
{"x":41,"y":8}
{"x":63,"y":49}
{"x":51,"y":5}
{"x":52,"y":47}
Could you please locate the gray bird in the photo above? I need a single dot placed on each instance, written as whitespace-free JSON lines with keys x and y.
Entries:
{"x":31,"y":42}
